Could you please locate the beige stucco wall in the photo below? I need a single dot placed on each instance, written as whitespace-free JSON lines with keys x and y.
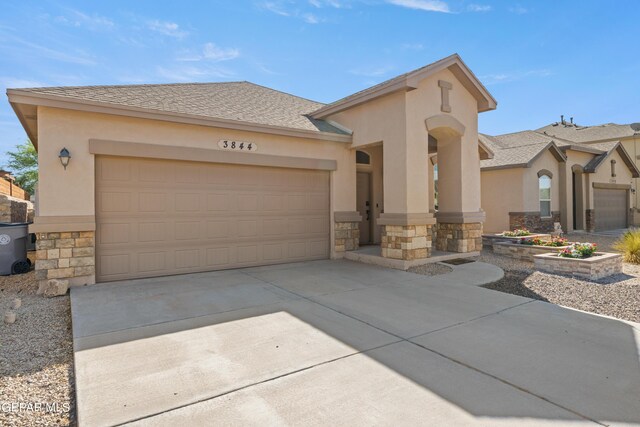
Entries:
{"x":603,"y":176}
{"x":531,"y":199}
{"x":502,"y":191}
{"x":632,"y":145}
{"x":71,"y":192}
{"x":398,"y":120}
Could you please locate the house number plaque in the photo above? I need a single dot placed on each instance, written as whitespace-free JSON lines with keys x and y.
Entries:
{"x":229,"y":144}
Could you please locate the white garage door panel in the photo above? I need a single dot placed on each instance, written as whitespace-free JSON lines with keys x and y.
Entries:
{"x":611,"y":207}
{"x":158,"y":217}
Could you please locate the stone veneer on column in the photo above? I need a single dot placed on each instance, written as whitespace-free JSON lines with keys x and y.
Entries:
{"x":346,"y":232}
{"x":406,"y":242}
{"x":406,"y":237}
{"x":66,"y":256}
{"x":456,"y":237}
{"x":590,"y":215}
{"x":459,"y":231}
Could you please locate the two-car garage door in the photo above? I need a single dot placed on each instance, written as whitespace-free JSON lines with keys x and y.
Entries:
{"x":160,"y":217}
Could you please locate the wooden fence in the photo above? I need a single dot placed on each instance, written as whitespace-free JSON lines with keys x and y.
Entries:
{"x":10,"y":189}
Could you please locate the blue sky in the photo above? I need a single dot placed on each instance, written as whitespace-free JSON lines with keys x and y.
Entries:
{"x":539,"y":59}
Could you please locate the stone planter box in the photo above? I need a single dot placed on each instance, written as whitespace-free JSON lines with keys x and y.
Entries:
{"x":523,"y":252}
{"x":490,"y":239}
{"x":598,"y":266}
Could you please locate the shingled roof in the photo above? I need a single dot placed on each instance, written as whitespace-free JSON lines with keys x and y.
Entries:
{"x":517,"y":149}
{"x":238,"y":101}
{"x":586,"y":134}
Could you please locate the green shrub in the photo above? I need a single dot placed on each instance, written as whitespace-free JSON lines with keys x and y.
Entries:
{"x":629,"y":245}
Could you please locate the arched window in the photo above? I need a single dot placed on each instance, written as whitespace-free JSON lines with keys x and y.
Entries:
{"x":363,"y":158}
{"x":544,"y":188}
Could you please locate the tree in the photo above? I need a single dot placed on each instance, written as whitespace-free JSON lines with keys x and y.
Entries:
{"x":23,"y":163}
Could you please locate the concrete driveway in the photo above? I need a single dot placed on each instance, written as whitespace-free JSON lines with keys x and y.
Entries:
{"x":342,"y":343}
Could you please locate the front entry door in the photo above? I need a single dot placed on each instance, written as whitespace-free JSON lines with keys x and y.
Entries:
{"x":363,"y":189}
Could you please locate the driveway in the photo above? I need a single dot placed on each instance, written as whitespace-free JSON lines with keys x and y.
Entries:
{"x":343,"y":343}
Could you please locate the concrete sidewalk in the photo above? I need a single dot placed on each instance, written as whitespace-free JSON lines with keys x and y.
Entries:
{"x":342,"y":343}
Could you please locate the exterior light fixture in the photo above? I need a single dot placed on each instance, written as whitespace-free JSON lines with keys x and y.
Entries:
{"x":64,"y":157}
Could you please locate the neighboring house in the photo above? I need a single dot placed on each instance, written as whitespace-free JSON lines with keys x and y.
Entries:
{"x":535,"y":179}
{"x":169,"y":179}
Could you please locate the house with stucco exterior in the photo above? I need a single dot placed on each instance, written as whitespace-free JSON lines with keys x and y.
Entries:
{"x":150,"y":180}
{"x":581,"y":177}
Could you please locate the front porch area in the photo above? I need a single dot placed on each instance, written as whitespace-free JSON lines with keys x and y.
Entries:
{"x":372,"y":254}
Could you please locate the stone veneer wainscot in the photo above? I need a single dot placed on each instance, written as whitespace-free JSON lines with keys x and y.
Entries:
{"x":598,"y":266}
{"x":66,"y":256}
{"x":524,"y":252}
{"x":347,"y":232}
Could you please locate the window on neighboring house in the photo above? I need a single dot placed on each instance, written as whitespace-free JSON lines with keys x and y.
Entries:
{"x":544,"y":187}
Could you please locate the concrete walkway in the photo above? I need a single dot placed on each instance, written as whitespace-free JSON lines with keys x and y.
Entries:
{"x":342,"y":343}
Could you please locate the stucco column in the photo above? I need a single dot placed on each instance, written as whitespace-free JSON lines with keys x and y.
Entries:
{"x":407,"y":223}
{"x":460,"y":217}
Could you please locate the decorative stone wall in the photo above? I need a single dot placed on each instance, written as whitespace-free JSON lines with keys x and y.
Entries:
{"x":523,"y":252}
{"x":347,"y":236}
{"x":598,"y":266}
{"x":459,"y":237}
{"x":406,"y":242}
{"x":67,"y":256}
{"x":590,"y":215}
{"x":532,"y":221}
{"x":15,"y":210}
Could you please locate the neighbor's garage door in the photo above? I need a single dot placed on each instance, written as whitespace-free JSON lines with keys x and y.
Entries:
{"x":611,"y":207}
{"x":157,"y":217}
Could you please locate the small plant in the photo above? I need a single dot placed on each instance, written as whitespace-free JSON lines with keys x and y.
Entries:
{"x":518,"y":232}
{"x":629,"y":245}
{"x":554,"y":242}
{"x":578,"y":250}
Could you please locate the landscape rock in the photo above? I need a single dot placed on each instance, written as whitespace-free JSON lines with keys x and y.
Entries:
{"x":53,"y":287}
{"x":17,"y":303}
{"x":9,"y":317}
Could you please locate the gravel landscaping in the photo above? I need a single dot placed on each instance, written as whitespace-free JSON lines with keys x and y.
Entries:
{"x":616,"y":296}
{"x":433,"y":269}
{"x":36,"y":355}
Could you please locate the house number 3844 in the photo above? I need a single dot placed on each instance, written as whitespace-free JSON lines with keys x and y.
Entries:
{"x":228,"y":144}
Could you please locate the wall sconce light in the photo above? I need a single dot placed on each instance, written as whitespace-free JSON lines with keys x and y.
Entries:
{"x":64,"y":157}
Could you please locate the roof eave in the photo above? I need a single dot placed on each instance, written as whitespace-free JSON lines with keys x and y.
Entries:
{"x":511,"y":166}
{"x":409,"y":82}
{"x":17,"y":96}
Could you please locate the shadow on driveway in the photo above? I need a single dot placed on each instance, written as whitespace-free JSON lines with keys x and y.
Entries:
{"x":336,"y":342}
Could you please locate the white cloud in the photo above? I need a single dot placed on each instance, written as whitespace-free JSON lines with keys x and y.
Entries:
{"x":35,"y":50}
{"x":372,"y":71}
{"x":170,"y":29}
{"x":412,"y":46}
{"x":328,"y":3}
{"x":518,"y":10}
{"x":492,"y":79}
{"x":426,"y":5}
{"x":276,"y":8}
{"x":479,"y":8}
{"x":193,"y":73}
{"x":17,"y":82}
{"x":77,"y":18}
{"x":310,"y":18}
{"x":210,"y":52}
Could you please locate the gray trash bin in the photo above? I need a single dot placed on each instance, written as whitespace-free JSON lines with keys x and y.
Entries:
{"x":13,"y":248}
